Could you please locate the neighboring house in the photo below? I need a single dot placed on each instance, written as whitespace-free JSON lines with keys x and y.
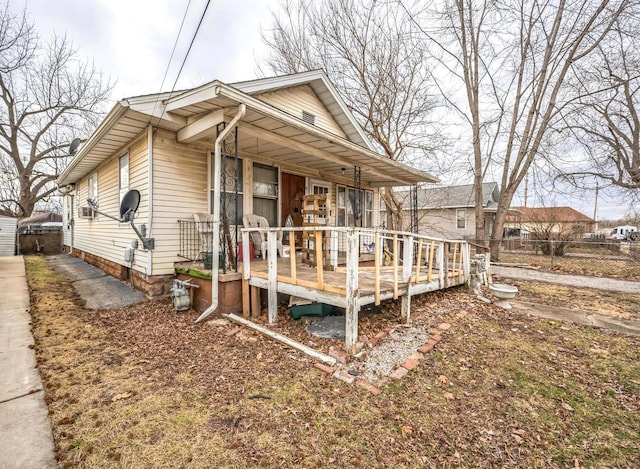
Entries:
{"x":548,"y":223}
{"x":292,"y":135}
{"x":40,"y":222}
{"x":8,"y":226}
{"x":449,"y":212}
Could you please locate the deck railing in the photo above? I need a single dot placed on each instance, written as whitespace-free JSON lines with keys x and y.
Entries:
{"x":413,"y":263}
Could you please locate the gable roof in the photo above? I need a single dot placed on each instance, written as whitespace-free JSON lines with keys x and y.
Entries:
{"x":453,"y":197}
{"x":323,"y":88}
{"x":552,"y":214}
{"x":284,"y":138}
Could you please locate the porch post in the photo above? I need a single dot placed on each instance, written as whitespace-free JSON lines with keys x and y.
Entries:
{"x":441,"y":267}
{"x":353,"y":295}
{"x":407,"y":264}
{"x":466,"y":266}
{"x":272,"y":264}
{"x":407,"y":258}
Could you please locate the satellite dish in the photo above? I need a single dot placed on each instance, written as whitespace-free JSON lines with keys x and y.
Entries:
{"x":129,"y":205}
{"x":73,"y":148}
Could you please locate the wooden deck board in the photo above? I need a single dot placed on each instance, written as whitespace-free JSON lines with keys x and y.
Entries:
{"x":335,"y":281}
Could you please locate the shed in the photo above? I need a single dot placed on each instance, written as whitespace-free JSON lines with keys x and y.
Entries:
{"x":8,"y":227}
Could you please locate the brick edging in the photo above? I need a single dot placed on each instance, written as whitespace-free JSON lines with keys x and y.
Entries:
{"x":403,"y":370}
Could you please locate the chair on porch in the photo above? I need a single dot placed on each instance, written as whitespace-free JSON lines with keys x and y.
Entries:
{"x":258,"y":239}
{"x":204,"y":226}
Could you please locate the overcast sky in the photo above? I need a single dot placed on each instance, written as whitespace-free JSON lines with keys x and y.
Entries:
{"x":131,"y":41}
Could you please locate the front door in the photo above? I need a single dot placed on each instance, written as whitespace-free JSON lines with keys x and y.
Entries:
{"x":292,"y":193}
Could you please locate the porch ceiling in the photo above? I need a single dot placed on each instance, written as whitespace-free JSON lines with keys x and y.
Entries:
{"x":265,"y":133}
{"x":269,"y":134}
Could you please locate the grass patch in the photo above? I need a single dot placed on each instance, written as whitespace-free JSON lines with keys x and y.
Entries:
{"x":140,"y":387}
{"x":607,"y":303}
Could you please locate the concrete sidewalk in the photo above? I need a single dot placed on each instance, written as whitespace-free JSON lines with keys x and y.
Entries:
{"x":25,"y":431}
{"x":580,"y":281}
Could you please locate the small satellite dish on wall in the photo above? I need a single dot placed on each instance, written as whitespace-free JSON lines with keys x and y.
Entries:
{"x":129,"y":205}
{"x":73,"y":148}
{"x":128,"y":208}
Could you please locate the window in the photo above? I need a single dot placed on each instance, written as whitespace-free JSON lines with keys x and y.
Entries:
{"x":124,"y":175}
{"x":354,"y":207}
{"x":231,"y":186}
{"x":265,"y":192}
{"x":92,"y":191}
{"x":461,"y":218}
{"x":92,"y":187}
{"x":368,"y":209}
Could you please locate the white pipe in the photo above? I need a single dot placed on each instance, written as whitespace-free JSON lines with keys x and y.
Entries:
{"x":215,"y":248}
{"x":282,"y":339}
{"x":150,"y":196}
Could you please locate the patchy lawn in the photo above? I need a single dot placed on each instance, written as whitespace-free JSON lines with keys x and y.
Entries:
{"x":141,"y":387}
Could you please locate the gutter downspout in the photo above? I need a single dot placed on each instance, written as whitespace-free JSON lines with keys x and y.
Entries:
{"x":215,"y":248}
{"x":150,"y":197}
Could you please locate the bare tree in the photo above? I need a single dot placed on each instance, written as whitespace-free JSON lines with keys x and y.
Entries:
{"x":47,"y":97}
{"x":605,"y":117}
{"x":375,"y":58}
{"x":512,"y":58}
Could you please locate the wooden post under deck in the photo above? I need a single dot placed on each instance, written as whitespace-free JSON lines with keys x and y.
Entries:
{"x":272,"y":266}
{"x":405,"y":306}
{"x":353,"y":300}
{"x":255,"y":301}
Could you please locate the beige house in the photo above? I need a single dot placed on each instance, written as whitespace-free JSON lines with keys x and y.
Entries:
{"x":286,"y":137}
{"x":449,"y":212}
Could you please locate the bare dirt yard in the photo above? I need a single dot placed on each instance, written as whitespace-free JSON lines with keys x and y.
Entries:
{"x":141,"y":387}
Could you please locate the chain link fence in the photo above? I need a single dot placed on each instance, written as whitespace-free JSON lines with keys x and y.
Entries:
{"x":601,"y":258}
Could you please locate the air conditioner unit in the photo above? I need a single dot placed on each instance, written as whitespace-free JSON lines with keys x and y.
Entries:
{"x":85,"y":212}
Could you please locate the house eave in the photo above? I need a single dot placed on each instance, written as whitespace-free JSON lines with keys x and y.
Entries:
{"x":319,"y":149}
{"x":73,"y":172}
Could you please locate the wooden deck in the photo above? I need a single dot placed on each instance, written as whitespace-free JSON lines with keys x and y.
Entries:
{"x":404,"y":264}
{"x":333,"y":290}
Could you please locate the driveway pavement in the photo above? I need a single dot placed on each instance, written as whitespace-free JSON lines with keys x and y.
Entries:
{"x":99,"y":290}
{"x":25,"y":431}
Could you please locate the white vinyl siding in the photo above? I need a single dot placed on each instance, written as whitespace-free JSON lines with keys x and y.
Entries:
{"x":103,"y":236}
{"x":179,"y":191}
{"x":301,"y":99}
{"x":8,"y":227}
